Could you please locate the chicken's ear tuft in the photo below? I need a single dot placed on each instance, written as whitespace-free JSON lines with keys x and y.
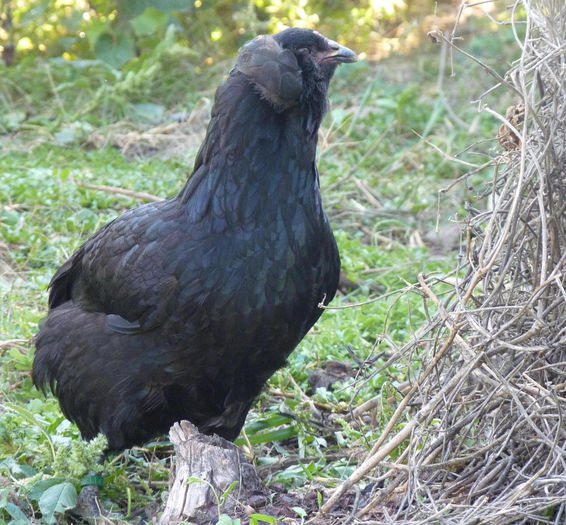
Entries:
{"x":273,"y":70}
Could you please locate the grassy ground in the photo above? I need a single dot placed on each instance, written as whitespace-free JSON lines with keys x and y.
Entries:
{"x":381,"y":175}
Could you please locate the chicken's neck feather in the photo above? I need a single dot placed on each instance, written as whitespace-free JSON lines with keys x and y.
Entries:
{"x":255,"y":163}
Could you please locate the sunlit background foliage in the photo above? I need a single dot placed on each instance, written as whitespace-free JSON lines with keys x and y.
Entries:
{"x":117,"y":31}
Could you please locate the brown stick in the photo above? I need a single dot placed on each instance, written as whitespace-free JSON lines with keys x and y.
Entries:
{"x":142,"y":195}
{"x":381,"y":450}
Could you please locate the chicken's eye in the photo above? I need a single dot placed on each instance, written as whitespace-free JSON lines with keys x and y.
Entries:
{"x":305,"y":50}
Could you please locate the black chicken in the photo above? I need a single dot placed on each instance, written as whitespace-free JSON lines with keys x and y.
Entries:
{"x":182,"y":309}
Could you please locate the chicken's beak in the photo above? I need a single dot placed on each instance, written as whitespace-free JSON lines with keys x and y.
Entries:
{"x":336,"y":54}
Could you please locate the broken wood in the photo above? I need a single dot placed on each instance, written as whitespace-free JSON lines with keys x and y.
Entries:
{"x":211,"y":475}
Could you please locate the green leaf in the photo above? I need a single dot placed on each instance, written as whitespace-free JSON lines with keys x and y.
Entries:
{"x":262,"y":518}
{"x":12,"y":120}
{"x":10,"y":217}
{"x":66,"y":42}
{"x":57,"y":499}
{"x":33,"y":14}
{"x":73,"y":22}
{"x":149,"y":21}
{"x":148,"y":111}
{"x":114,"y":50}
{"x":42,"y":485}
{"x":16,"y":513}
{"x":94,"y":29}
{"x":64,"y":174}
{"x":172,"y":5}
{"x":274,"y":420}
{"x":18,"y":470}
{"x":66,"y":136}
{"x":268,"y":437}
{"x":227,"y":491}
{"x":224,"y":519}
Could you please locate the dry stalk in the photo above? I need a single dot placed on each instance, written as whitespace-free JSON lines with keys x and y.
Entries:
{"x":141,"y":195}
{"x":488,"y":443}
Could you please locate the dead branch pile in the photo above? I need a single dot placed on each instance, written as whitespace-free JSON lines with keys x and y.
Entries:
{"x":486,"y":437}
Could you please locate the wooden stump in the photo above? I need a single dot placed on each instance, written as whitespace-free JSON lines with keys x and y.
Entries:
{"x":215,"y":461}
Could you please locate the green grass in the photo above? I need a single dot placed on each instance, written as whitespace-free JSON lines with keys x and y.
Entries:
{"x":380,"y":178}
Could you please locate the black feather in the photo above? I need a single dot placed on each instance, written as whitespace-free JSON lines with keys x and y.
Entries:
{"x":182,"y":309}
{"x":273,"y":71}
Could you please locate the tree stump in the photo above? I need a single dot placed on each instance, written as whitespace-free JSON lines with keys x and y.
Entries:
{"x":217,"y":464}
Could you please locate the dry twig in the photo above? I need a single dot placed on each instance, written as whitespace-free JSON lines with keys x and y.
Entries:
{"x":488,"y":444}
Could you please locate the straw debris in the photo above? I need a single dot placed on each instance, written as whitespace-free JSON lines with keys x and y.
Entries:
{"x":178,"y":137}
{"x":485,"y":441}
